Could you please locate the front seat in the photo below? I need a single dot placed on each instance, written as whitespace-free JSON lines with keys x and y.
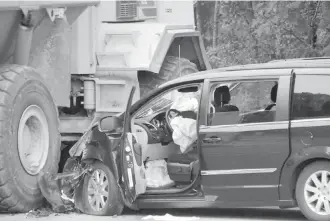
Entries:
{"x":273,"y":97}
{"x":225,"y":113}
{"x":221,"y":100}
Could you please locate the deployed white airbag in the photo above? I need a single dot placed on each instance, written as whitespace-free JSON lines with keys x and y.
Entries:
{"x":185,"y":103}
{"x":157,"y":175}
{"x":184,"y":129}
{"x":184,"y":132}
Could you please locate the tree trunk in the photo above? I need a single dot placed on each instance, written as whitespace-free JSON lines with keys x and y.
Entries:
{"x":314,"y":7}
{"x":249,"y":19}
{"x":215,"y":24}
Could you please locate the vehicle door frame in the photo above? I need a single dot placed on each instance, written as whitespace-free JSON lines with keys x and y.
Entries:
{"x":130,"y":196}
{"x":171,"y":87}
{"x":282,"y":112}
{"x":127,"y":178}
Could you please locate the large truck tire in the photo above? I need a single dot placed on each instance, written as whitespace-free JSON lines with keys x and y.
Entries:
{"x":29,"y":137}
{"x":173,"y":67}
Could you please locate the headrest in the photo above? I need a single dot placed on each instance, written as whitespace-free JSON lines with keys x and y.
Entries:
{"x":221,"y":94}
{"x":273,"y":93}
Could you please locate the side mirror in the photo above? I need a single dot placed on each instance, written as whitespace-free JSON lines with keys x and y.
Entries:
{"x":108,"y":124}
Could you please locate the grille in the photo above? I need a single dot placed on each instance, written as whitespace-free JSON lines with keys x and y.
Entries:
{"x":127,"y":9}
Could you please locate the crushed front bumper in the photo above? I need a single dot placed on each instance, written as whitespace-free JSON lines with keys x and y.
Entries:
{"x":59,"y":189}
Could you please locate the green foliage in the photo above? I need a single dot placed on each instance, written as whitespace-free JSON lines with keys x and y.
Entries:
{"x":252,"y":96}
{"x":260,"y":31}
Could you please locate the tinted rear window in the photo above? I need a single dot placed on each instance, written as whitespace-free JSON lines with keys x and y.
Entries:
{"x":311,"y":97}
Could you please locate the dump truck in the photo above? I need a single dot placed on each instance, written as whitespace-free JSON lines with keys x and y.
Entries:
{"x":63,"y":63}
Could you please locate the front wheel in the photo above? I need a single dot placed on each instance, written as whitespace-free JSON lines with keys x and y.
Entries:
{"x":313,"y":191}
{"x":98,"y":193}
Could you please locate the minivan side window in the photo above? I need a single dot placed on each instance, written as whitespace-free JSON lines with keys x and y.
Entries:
{"x":311,"y":97}
{"x":241,"y":102}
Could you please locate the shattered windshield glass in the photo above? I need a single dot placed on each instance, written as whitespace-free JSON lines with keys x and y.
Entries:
{"x":155,"y":106}
{"x":164,"y":102}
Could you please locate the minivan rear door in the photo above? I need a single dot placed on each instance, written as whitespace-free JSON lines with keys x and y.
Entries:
{"x":241,"y":162}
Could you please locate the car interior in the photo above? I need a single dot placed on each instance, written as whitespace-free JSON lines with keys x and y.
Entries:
{"x":223,"y":112}
{"x":153,"y":130}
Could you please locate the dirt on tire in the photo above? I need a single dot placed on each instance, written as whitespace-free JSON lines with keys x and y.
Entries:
{"x":172,"y":68}
{"x":20,"y":87}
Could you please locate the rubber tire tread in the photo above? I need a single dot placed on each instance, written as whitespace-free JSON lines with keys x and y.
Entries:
{"x":116,"y":206}
{"x":303,"y":176}
{"x":13,"y":197}
{"x":171,"y":69}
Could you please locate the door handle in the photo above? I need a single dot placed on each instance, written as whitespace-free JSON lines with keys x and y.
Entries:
{"x":212,"y":139}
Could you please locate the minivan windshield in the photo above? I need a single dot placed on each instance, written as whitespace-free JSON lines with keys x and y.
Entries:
{"x":163,"y":102}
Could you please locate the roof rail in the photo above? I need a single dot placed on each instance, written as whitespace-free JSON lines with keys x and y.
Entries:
{"x":300,"y":59}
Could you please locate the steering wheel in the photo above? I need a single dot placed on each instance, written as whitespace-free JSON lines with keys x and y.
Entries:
{"x":170,"y":114}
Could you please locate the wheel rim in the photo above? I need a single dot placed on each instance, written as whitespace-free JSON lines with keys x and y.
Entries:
{"x":98,"y":190}
{"x":33,"y":139}
{"x":317,"y":192}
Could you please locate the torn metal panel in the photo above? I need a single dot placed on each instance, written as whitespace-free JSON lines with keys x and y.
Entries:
{"x":59,"y":189}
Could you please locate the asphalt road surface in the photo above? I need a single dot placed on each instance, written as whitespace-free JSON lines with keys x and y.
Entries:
{"x":202,"y":214}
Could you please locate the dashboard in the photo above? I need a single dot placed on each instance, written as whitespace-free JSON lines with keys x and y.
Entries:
{"x":155,"y":128}
{"x":159,"y":120}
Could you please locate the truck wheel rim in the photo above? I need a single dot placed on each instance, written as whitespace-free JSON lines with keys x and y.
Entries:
{"x":33,"y":139}
{"x":317,"y":192}
{"x":98,"y":190}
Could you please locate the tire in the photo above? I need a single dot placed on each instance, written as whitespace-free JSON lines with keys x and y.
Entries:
{"x":23,"y":94}
{"x":112,"y":198}
{"x":301,"y":194}
{"x":171,"y":69}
